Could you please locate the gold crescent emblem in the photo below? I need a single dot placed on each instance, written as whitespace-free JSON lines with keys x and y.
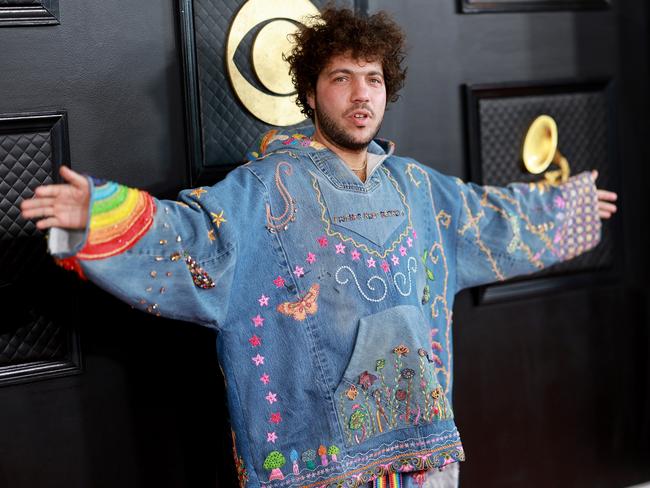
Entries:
{"x":278,"y":108}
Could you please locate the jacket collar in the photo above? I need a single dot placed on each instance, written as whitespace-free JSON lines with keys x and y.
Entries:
{"x":327,"y":162}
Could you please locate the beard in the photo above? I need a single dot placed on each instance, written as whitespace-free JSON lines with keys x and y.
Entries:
{"x":337,"y":134}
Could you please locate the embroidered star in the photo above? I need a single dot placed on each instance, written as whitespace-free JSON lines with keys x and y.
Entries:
{"x":264,"y":300}
{"x":255,"y":341}
{"x":340,"y":248}
{"x":279,"y":282}
{"x":356,"y":255}
{"x":271,"y":398}
{"x":211,"y":235}
{"x":384,"y":266}
{"x":265,"y":378}
{"x":402,"y":250}
{"x":276,"y":418}
{"x":271,"y":437}
{"x":299,"y":271}
{"x":197,"y":192}
{"x":415,"y":234}
{"x":258,"y":320}
{"x":409,"y":242}
{"x":311,"y":258}
{"x":395,"y":260}
{"x":258,"y":359}
{"x":218,"y":218}
{"x":322,"y":241}
{"x":371,"y":262}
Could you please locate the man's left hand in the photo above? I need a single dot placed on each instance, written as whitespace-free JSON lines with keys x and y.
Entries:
{"x":605,"y":198}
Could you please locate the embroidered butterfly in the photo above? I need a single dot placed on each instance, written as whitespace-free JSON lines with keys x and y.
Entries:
{"x":306,"y":305}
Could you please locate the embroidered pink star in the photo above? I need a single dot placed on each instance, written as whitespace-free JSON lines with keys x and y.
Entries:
{"x":402,"y":250}
{"x":311,"y":258}
{"x":258,"y":320}
{"x":271,"y":398}
{"x":255,"y":341}
{"x":299,"y":271}
{"x":271,"y":437}
{"x":279,"y":282}
{"x":371,"y":262}
{"x":409,"y":242}
{"x":415,"y":234}
{"x":258,"y":359}
{"x":264,"y":300}
{"x":322,"y":241}
{"x":395,"y":260}
{"x":340,"y":248}
{"x":356,"y":255}
{"x":276,"y":418}
{"x":265,"y":378}
{"x":384,"y":266}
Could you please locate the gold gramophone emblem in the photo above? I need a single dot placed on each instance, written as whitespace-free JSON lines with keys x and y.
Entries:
{"x":278,"y":105}
{"x":540,"y":151}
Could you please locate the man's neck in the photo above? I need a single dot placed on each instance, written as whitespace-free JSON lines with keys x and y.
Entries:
{"x":353,"y":159}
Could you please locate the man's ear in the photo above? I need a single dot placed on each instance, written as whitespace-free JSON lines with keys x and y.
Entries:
{"x":311,"y":100}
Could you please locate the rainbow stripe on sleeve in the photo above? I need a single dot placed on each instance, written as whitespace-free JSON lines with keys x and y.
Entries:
{"x":119,"y":217}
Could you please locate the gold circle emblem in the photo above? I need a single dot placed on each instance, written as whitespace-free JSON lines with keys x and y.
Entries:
{"x":272,"y":41}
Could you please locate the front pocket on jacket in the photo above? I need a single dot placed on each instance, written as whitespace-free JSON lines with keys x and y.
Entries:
{"x":390,"y":382}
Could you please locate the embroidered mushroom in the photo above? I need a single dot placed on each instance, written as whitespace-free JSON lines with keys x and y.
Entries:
{"x":273,"y":462}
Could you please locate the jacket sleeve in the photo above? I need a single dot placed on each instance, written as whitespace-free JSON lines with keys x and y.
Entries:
{"x":171,"y":258}
{"x":523,"y":228}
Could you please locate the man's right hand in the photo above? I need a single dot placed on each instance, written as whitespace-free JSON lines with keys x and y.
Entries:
{"x":64,"y":205}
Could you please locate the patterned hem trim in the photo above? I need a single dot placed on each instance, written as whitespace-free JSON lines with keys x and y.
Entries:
{"x":120,"y":216}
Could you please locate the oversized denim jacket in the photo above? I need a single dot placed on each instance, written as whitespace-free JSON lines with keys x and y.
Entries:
{"x":332,"y":298}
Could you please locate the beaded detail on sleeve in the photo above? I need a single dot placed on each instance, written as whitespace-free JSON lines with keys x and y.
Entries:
{"x":120,"y":216}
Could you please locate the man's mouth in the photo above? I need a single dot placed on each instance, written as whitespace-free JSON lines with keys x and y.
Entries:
{"x":360,"y":117}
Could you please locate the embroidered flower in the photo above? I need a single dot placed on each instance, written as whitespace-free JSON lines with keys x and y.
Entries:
{"x":402,"y":250}
{"x":436,"y":346}
{"x":271,"y":398}
{"x":263,"y":300}
{"x":407,"y":373}
{"x":385,"y":266}
{"x":437,"y":393}
{"x":271,"y":437}
{"x":356,"y":255}
{"x":279,"y":282}
{"x":322,"y":241}
{"x":401,"y":350}
{"x":258,"y":359}
{"x":415,"y":234}
{"x":258,"y":320}
{"x":400,"y":395}
{"x":379,"y":365}
{"x":371,"y":262}
{"x":340,"y":248}
{"x":311,"y":258}
{"x":422,"y":353}
{"x":366,"y":379}
{"x":352,"y":392}
{"x":395,"y":260}
{"x":276,"y":418}
{"x":299,"y":271}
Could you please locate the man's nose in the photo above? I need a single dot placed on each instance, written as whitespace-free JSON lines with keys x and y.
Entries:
{"x":360,"y":91}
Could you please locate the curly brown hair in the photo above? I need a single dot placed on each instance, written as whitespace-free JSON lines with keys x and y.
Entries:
{"x":339,"y":31}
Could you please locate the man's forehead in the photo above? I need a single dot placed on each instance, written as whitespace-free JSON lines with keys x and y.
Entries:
{"x":346,"y":62}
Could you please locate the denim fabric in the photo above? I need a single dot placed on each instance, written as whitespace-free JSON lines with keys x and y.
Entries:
{"x":331,"y":297}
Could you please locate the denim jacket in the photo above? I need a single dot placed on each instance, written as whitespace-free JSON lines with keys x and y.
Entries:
{"x":332,"y":298}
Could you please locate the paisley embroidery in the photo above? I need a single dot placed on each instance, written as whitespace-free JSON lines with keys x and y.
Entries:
{"x":412,"y":267}
{"x":345,"y":281}
{"x":273,"y":224}
{"x":307,"y":305}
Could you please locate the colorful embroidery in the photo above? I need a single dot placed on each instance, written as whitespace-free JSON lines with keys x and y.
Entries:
{"x":263,"y":300}
{"x":218,"y":219}
{"x":273,"y":462}
{"x":307,"y":305}
{"x":392,"y":480}
{"x":339,"y":235}
{"x":120,"y":216}
{"x":412,"y":267}
{"x":345,"y":281}
{"x":271,"y":437}
{"x":197,"y":192}
{"x":242,"y":474}
{"x":273,"y":224}
{"x":258,"y":320}
{"x":311,"y":258}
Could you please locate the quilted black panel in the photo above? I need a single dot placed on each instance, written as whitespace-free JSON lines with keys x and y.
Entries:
{"x":29,"y":12}
{"x":583,"y":138}
{"x":227,"y":128}
{"x":25,"y":163}
{"x":35,"y":340}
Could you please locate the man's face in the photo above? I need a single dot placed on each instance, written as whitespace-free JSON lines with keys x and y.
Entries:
{"x":349,"y":102}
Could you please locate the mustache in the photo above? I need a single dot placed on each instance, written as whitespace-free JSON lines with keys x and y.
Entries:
{"x":359,"y":106}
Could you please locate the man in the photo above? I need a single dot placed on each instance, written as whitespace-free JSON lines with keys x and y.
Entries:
{"x":328,"y":267}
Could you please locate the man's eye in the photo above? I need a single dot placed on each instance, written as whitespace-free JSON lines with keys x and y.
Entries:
{"x":339,"y":79}
{"x":375,"y":81}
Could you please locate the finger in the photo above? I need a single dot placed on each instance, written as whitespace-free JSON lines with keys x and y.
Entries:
{"x":74,"y":178}
{"x":607,"y":207}
{"x":594,"y":175}
{"x":32,"y":203}
{"x":607,"y":195}
{"x":47,"y":223}
{"x":604,"y":215}
{"x":49,"y":191}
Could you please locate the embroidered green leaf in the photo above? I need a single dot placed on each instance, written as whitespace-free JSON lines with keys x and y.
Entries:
{"x":430,"y":274}
{"x":424,"y":256}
